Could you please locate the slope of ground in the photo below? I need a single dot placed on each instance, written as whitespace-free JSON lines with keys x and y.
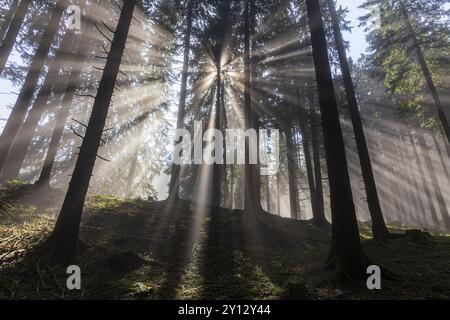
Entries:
{"x":133,"y":249}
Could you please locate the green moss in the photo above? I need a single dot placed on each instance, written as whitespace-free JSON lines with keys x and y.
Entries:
{"x":99,"y":203}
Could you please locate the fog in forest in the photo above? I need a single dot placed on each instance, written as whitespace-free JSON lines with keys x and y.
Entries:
{"x":92,"y":94}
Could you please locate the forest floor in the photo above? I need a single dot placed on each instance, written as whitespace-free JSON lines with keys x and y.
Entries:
{"x":134,"y":249}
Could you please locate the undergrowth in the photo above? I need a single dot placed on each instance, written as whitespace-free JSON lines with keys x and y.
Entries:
{"x":134,"y":249}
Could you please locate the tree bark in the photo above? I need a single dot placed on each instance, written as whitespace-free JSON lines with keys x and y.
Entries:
{"x":13,"y":31}
{"x":19,"y":111}
{"x":63,"y":243}
{"x":346,"y":254}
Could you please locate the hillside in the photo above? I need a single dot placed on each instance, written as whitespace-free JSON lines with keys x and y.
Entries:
{"x":133,"y":249}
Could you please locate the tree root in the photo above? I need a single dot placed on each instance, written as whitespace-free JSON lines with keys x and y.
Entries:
{"x":356,"y":273}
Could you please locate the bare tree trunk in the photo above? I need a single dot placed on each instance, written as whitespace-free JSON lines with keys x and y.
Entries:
{"x":8,"y":19}
{"x":424,"y":182}
{"x":416,"y":208}
{"x":217,"y":174}
{"x":25,"y":135}
{"x":174,"y":185}
{"x":292,"y":174}
{"x":268,"y":193}
{"x":278,"y":194}
{"x":13,"y":31}
{"x":63,"y":242}
{"x":232,"y":189}
{"x":256,"y":169}
{"x":61,"y":117}
{"x":223,"y":126}
{"x":252,"y":188}
{"x":319,"y":217}
{"x":379,"y":229}
{"x":249,"y":187}
{"x":346,"y":253}
{"x":441,"y":158}
{"x":434,"y":181}
{"x":19,"y":111}
{"x":134,"y":161}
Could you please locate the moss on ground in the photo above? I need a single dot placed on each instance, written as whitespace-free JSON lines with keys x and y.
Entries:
{"x":133,"y":249}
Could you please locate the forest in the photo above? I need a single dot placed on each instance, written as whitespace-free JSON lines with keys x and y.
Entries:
{"x":224,"y":150}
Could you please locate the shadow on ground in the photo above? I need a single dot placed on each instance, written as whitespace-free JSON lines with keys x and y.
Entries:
{"x":132,"y":249}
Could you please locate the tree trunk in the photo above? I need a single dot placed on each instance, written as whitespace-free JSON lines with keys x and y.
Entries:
{"x":223,"y":126}
{"x":278,"y":194}
{"x":424,"y":182}
{"x":319,"y":218}
{"x":232,"y":189}
{"x":63,"y":113}
{"x":24,"y":137}
{"x":268,"y":193}
{"x":346,"y":253}
{"x":416,"y":208}
{"x":292,"y":174}
{"x":379,"y":229}
{"x":13,"y":31}
{"x":19,"y":111}
{"x":218,"y":52}
{"x":441,"y":158}
{"x":267,"y":182}
{"x":217,"y":171}
{"x":134,"y":161}
{"x":63,"y":242}
{"x":8,"y":19}
{"x":249,"y":192}
{"x":434,"y":181}
{"x":256,"y":169}
{"x":174,"y":185}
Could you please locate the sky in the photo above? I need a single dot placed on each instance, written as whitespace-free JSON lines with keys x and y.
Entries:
{"x":357,"y":40}
{"x":357,"y":37}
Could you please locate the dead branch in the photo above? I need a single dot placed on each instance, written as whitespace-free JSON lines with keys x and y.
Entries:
{"x":86,"y":95}
{"x":80,"y":123}
{"x":104,"y":159}
{"x":76,"y":133}
{"x":104,"y":49}
{"x":106,"y":26}
{"x":102,"y":33}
